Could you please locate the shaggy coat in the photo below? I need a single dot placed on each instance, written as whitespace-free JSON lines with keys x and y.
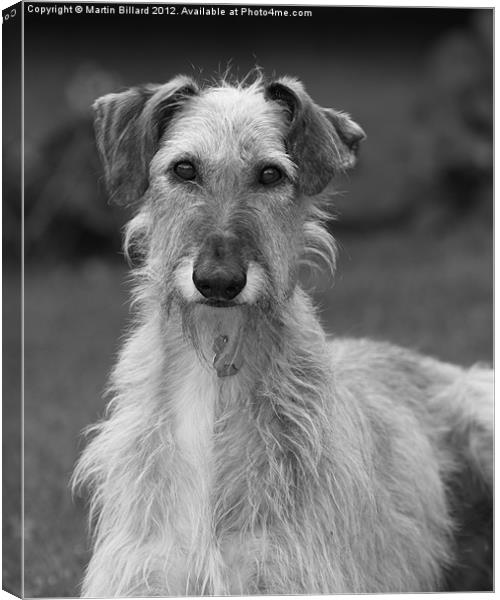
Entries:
{"x":317,"y":467}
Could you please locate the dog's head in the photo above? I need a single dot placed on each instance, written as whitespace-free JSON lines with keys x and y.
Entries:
{"x":226,"y":179}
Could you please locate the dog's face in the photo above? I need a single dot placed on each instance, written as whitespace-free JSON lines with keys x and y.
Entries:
{"x":227,"y":178}
{"x":223,"y":180}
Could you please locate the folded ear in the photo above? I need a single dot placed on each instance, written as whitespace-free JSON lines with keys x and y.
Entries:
{"x":321,"y":141}
{"x":128,"y":128}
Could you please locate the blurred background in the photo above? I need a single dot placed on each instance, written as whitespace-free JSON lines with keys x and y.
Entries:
{"x":414,"y":221}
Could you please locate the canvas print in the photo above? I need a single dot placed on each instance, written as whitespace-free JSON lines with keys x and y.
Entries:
{"x":247,"y":299}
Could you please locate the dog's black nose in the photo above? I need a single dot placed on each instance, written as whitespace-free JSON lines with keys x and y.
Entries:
{"x":219,"y":273}
{"x":220,"y":283}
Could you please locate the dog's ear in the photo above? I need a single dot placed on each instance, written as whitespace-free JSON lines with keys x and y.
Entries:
{"x":321,"y":141}
{"x":128,"y":128}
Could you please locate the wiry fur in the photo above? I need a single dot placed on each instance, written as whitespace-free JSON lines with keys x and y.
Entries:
{"x":320,"y":467}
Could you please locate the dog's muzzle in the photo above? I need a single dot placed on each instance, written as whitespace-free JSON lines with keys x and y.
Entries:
{"x":219,"y":273}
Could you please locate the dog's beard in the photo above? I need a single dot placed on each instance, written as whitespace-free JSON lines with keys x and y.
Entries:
{"x":203,"y":325}
{"x":233,"y":332}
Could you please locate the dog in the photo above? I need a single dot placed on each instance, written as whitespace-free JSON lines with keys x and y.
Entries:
{"x":241,"y":451}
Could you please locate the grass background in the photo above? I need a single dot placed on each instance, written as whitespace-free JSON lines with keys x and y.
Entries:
{"x":429,"y":292}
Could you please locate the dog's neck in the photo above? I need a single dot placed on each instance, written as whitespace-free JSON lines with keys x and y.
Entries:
{"x":234,"y":350}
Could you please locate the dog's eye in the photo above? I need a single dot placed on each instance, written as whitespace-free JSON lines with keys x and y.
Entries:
{"x":270,"y":175}
{"x":185,"y":170}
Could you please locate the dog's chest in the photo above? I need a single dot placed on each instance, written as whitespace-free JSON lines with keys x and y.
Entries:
{"x":195,"y":396}
{"x":199,"y":398}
